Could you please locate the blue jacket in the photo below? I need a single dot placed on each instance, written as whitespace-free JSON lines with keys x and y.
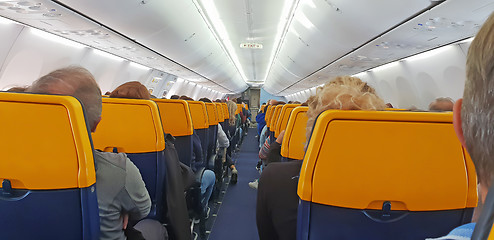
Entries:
{"x":260,"y":122}
{"x":197,"y":156}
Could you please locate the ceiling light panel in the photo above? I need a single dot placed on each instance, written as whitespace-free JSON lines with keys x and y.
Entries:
{"x":174,"y":29}
{"x":451,"y":21}
{"x":336,"y":28}
{"x":53,"y":18}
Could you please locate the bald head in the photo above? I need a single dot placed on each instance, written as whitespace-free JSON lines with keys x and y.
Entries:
{"x":442,"y":104}
{"x":77,"y":82}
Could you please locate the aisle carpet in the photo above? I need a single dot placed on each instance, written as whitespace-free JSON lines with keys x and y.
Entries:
{"x":236,"y":218}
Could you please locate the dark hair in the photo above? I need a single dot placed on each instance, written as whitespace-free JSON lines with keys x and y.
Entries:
{"x":132,"y":89}
{"x":205,"y":100}
{"x":183,"y":97}
{"x":17,"y":89}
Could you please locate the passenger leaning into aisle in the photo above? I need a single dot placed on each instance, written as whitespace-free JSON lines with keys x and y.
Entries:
{"x":277,"y":199}
{"x":232,"y":132}
{"x":265,"y":143}
{"x":121,"y":192}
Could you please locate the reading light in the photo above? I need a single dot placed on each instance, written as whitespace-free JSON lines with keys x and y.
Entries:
{"x":211,"y":16}
{"x":55,"y":38}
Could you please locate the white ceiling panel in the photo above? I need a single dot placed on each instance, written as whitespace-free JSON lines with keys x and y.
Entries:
{"x":323,"y":31}
{"x":54,"y":18}
{"x":450,"y":21}
{"x":175,"y":29}
{"x":199,"y":40}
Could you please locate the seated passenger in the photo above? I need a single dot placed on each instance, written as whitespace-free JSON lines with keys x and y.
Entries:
{"x":472,"y":116}
{"x":208,"y":177}
{"x":260,"y":119}
{"x":132,"y":90}
{"x":277,"y":199}
{"x":17,"y":89}
{"x":183,"y":97}
{"x":177,"y":214}
{"x":441,"y":104}
{"x":122,"y":195}
{"x":223,"y":142}
{"x":198,"y":164}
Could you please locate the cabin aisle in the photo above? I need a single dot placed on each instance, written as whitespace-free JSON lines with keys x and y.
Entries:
{"x":237,"y":215}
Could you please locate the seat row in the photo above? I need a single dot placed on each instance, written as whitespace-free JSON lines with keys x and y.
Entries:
{"x":377,"y":174}
{"x":47,"y":170}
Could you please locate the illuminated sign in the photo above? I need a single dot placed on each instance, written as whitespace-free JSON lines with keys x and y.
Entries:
{"x":251,"y":45}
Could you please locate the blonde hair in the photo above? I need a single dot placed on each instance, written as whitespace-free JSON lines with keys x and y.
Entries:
{"x":346,"y":93}
{"x":477,"y":112}
{"x":232,"y":108}
{"x":134,"y":90}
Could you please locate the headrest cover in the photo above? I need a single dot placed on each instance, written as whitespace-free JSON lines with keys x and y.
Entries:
{"x":175,"y":117}
{"x":199,"y":114}
{"x":359,"y":159}
{"x":130,"y":125}
{"x":45,"y":142}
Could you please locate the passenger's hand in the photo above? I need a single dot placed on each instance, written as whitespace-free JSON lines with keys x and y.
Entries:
{"x":280,"y":137}
{"x":125,"y":220}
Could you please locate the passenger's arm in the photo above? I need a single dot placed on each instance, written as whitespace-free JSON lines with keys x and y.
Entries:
{"x":138,"y":203}
{"x":264,"y":151}
{"x":222,"y":139}
{"x":274,"y":154}
{"x":197,"y":148}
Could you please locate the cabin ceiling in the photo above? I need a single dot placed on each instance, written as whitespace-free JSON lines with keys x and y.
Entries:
{"x":304,"y":42}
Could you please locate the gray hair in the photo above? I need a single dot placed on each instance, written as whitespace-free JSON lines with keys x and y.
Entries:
{"x":74,"y":81}
{"x":442,"y":104}
{"x":477,"y":112}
